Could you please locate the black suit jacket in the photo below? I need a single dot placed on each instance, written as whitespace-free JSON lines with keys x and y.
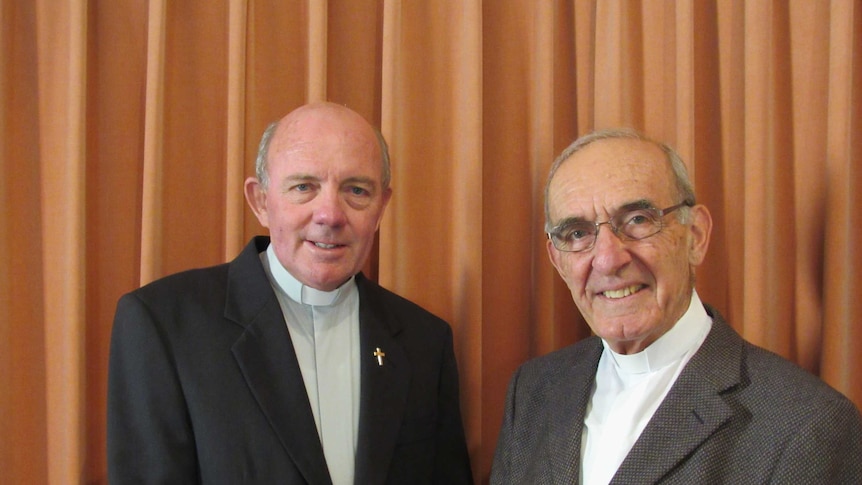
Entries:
{"x":204,"y":387}
{"x":737,"y":414}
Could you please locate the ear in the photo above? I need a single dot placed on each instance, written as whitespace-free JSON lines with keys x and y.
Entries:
{"x":255,"y":195}
{"x":699,"y":233}
{"x":554,"y":255}
{"x":385,"y":196}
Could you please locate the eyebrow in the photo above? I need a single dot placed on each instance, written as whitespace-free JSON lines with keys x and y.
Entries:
{"x":628,"y":206}
{"x":297,"y":178}
{"x":636,"y":205}
{"x":360,"y":180}
{"x":301,"y":177}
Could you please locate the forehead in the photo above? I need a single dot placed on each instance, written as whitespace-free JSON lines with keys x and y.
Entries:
{"x":328,"y":139}
{"x":609,"y":173}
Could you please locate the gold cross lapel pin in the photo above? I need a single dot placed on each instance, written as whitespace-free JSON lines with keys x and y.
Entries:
{"x":379,"y":354}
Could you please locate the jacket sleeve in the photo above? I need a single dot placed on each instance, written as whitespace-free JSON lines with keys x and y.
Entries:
{"x":150,"y":437}
{"x":452,"y":463}
{"x":501,"y":469}
{"x":826,"y":450}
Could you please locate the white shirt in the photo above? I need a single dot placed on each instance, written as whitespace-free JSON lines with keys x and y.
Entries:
{"x":324,"y":328}
{"x":628,"y":390}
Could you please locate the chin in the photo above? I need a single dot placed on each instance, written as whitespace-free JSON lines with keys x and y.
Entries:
{"x":625,"y":330}
{"x":332,"y":282}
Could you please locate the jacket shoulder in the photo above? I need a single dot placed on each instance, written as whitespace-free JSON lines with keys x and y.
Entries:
{"x":580,"y":358}
{"x":762,"y":374}
{"x":394,"y":308}
{"x":244,"y":274}
{"x":187,"y":285}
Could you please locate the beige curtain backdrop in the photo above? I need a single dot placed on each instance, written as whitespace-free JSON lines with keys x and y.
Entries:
{"x":128,"y":126}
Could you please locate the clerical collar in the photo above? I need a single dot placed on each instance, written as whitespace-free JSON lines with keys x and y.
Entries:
{"x":299,"y":292}
{"x":686,"y":335}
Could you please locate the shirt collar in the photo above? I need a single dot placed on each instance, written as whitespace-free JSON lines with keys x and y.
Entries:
{"x":685,"y":336}
{"x":299,"y":292}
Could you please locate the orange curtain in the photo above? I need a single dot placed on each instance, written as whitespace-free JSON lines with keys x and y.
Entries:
{"x":127,"y":127}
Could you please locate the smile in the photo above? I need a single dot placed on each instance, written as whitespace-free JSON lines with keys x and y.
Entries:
{"x":622,"y":292}
{"x":326,"y":246}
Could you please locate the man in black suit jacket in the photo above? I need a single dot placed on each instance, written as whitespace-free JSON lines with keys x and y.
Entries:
{"x":209,"y":381}
{"x":666,"y":391}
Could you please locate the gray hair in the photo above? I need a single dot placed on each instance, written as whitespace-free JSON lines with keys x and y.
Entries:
{"x":260,"y":164}
{"x":684,"y":187}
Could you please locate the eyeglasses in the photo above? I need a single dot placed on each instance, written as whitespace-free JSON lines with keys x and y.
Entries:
{"x":632,"y":224}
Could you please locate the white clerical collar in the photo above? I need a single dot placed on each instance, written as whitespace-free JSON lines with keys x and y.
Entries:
{"x":688,"y":332}
{"x":299,"y":292}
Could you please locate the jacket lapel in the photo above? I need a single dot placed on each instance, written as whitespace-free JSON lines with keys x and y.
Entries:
{"x":568,"y":407}
{"x":692,"y":411}
{"x":266,"y":358}
{"x":384,"y":387}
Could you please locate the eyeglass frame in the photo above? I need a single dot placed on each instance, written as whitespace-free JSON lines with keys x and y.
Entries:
{"x":623,"y":236}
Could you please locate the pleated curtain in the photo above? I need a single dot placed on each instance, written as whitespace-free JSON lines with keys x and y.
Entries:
{"x":128,"y":126}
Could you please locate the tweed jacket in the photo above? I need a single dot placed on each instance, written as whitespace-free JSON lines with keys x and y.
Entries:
{"x":204,"y":387}
{"x":737,"y":414}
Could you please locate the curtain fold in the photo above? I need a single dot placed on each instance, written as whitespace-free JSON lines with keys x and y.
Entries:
{"x":61,"y":35}
{"x":235,"y":153}
{"x":23,"y":411}
{"x":841,"y":278}
{"x":154,"y":132}
{"x":128,"y":127}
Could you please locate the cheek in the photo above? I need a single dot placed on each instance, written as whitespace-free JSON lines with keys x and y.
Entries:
{"x":672,"y":269}
{"x":365,"y":223}
{"x":288,"y":212}
{"x":574,"y":272}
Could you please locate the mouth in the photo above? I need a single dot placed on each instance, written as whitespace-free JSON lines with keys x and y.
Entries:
{"x":324,"y":245}
{"x":622,"y":292}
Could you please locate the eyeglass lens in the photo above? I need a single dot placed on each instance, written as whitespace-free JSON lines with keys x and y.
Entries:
{"x":632,"y":224}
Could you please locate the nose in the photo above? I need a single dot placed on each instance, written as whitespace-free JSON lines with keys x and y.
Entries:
{"x":329,"y":210}
{"x":609,"y":251}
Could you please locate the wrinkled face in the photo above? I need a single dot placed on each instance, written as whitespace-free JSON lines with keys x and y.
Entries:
{"x":325,"y":197}
{"x":629,"y":292}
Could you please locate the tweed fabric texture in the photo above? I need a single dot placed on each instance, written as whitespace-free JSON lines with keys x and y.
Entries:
{"x":737,"y":414}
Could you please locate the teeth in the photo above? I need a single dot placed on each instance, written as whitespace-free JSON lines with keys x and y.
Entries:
{"x":622,"y":292}
{"x":325,"y":246}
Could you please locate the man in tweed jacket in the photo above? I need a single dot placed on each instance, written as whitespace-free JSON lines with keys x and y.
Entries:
{"x":667,"y":391}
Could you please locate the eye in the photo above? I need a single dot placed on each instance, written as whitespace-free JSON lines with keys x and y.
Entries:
{"x":638,"y":218}
{"x":575,"y":232}
{"x":301,"y":190}
{"x":358,"y":190}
